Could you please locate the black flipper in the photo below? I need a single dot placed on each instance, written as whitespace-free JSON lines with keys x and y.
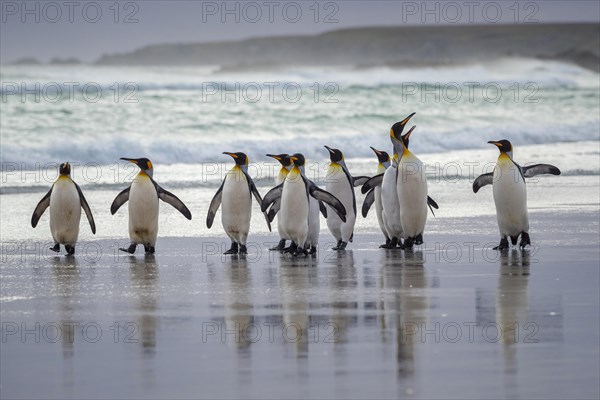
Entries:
{"x":432,"y":204}
{"x":539,"y":169}
{"x":274,"y":209}
{"x":257,"y":196}
{"x":40,"y":208}
{"x":326,"y":198}
{"x":173,"y":200}
{"x":369,"y":200}
{"x":86,"y":208}
{"x":323,"y":209}
{"x":483,"y":180}
{"x":372,"y":183}
{"x":215,"y":203}
{"x":271,"y":196}
{"x":359,"y":180}
{"x":121,"y":199}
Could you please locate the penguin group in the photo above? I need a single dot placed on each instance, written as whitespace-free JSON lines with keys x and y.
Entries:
{"x":399,"y":191}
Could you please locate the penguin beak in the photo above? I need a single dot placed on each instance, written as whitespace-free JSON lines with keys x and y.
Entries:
{"x":293,"y":158}
{"x":377,"y":152}
{"x":233,"y":155}
{"x":274,"y":156}
{"x":407,"y":136}
{"x":495,"y":143}
{"x":405,"y":120}
{"x":131,"y":160}
{"x":329,"y":149}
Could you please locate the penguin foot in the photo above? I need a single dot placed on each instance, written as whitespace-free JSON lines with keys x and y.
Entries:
{"x":291,"y":249}
{"x":56,"y":248}
{"x":337,"y":246}
{"x":409,"y":243}
{"x":503,"y":244}
{"x":149,"y":249}
{"x":312,"y":250}
{"x":386,"y":244}
{"x":419,"y":239}
{"x":525,"y":240}
{"x":300,"y":251}
{"x":341,"y":246}
{"x":243,"y":249}
{"x":70,"y":249}
{"x":233,"y":249}
{"x":130,"y":249}
{"x":279,"y":247}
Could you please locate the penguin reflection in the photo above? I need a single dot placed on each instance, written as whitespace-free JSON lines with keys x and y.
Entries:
{"x":66,"y":283}
{"x":512,"y":302}
{"x":238,"y":307}
{"x":295,"y":283}
{"x":143,"y":277}
{"x":342,"y":278}
{"x":405,"y":303}
{"x":65,"y":278}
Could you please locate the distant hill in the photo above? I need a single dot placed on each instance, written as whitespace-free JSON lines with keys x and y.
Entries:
{"x":26,"y":61}
{"x":64,"y":61}
{"x":392,"y":46}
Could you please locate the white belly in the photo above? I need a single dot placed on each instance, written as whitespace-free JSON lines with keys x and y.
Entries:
{"x":379,"y":211}
{"x":412,"y":195}
{"x":236,"y":206}
{"x":314,"y":223}
{"x":390,"y":204}
{"x":143,"y":211}
{"x":510,"y":197}
{"x":279,"y":180}
{"x":294,"y":208}
{"x":65,"y":212}
{"x":339,"y":186}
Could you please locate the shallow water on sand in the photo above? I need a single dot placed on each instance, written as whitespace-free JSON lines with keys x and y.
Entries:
{"x":444,"y":321}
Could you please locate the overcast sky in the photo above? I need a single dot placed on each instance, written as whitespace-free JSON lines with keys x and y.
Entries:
{"x":88,"y":29}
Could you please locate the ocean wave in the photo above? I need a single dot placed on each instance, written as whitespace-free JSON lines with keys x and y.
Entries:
{"x":502,"y":72}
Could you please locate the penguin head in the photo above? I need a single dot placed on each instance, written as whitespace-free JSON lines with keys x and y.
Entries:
{"x":406,"y":136}
{"x":298,"y":160}
{"x":400,"y":144}
{"x":144,"y":164}
{"x":382,"y":156}
{"x":335,"y":155}
{"x":284,"y":159}
{"x":398,"y":127}
{"x":65,"y":169}
{"x":503,"y":145}
{"x":240,"y":159}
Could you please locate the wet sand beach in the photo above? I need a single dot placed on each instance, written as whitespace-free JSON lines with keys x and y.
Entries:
{"x":452,"y":319}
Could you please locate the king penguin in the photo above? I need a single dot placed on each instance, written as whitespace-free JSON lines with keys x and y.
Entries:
{"x":286,"y":165}
{"x":374,"y":195}
{"x":143,"y":195}
{"x":510,"y":194}
{"x":296,"y":212}
{"x":65,"y":200}
{"x":340,"y":183}
{"x":235,"y":194}
{"x":411,"y":188}
{"x":389,"y":195}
